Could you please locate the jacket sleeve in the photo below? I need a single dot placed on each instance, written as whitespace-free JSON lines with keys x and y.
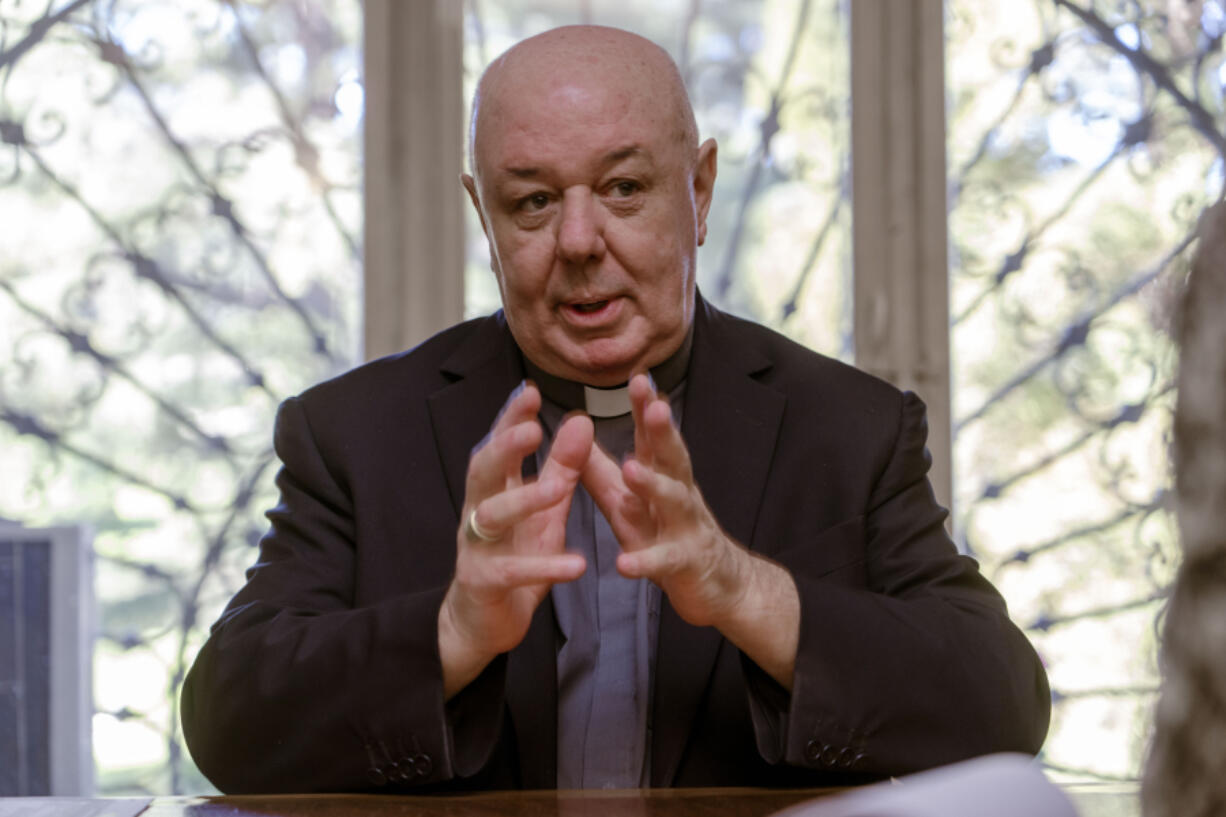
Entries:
{"x":297,"y":689}
{"x":907,"y":658}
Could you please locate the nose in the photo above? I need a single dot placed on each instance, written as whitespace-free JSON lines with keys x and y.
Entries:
{"x":580,"y":228}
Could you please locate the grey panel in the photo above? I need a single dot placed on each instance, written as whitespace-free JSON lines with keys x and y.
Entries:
{"x":10,"y":685}
{"x":25,"y":668}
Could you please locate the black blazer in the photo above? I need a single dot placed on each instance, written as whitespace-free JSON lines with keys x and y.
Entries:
{"x":323,"y":672}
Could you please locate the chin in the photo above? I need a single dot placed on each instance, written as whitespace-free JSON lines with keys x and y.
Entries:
{"x":602,"y":377}
{"x":602,"y":371}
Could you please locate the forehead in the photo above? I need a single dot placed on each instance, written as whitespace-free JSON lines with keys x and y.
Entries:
{"x":573,"y":121}
{"x":570,"y":124}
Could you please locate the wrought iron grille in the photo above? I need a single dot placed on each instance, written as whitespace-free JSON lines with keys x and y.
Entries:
{"x":179,"y":223}
{"x":1085,"y":139}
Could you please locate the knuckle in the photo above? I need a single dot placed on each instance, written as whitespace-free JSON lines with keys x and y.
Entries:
{"x":503,"y":572}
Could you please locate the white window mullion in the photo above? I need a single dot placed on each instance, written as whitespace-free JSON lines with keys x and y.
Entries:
{"x":901,"y":311}
{"x":414,"y":142}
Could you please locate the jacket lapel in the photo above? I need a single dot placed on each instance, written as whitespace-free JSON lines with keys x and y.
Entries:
{"x":730,"y":425}
{"x":485,"y":368}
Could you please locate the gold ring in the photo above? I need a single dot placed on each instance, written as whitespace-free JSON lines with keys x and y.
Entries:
{"x":475,"y":532}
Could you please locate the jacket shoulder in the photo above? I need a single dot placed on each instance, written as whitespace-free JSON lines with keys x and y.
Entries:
{"x":799,"y":371}
{"x":419,"y":370}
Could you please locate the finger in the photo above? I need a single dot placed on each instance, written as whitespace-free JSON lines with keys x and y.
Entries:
{"x":669,"y":497}
{"x":504,"y":572}
{"x":502,"y":511}
{"x":570,"y":449}
{"x":521,"y":404}
{"x":642,"y":392}
{"x":498,"y":463}
{"x":626,"y":513}
{"x":603,"y":479}
{"x":669,"y":453}
{"x":656,"y":563}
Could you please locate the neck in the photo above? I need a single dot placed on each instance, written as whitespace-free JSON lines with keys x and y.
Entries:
{"x":610,"y":401}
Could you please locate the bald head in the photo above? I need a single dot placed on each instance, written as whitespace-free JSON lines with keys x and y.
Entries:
{"x":569,"y":65}
{"x":593,"y":192}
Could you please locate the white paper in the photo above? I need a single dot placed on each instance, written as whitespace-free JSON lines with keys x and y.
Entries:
{"x":71,"y":807}
{"x":1004,"y":785}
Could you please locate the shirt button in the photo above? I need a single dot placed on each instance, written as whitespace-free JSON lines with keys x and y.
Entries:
{"x":813,"y":751}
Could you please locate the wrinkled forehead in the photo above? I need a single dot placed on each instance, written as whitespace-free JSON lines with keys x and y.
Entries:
{"x":569,"y":93}
{"x":570,"y":120}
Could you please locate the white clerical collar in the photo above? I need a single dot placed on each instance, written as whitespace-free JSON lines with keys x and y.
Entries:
{"x":612,"y":402}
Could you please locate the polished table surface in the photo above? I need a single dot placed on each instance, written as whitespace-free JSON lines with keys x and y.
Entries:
{"x":621,"y":803}
{"x":1091,"y":801}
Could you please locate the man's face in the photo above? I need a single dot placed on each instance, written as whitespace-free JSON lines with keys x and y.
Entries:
{"x":593,"y":206}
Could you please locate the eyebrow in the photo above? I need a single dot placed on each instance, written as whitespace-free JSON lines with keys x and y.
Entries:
{"x":610,"y":158}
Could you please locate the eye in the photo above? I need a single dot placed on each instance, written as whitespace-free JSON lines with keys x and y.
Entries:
{"x":533,"y":203}
{"x":625,"y":188}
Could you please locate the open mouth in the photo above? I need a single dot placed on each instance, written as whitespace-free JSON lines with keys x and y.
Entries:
{"x":591,"y":313}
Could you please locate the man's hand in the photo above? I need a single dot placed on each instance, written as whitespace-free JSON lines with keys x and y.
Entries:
{"x":499,"y":583}
{"x":669,"y":535}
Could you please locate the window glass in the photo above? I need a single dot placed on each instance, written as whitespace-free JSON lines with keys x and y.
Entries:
{"x":769,"y":81}
{"x":1084,"y":140}
{"x":179,"y":228}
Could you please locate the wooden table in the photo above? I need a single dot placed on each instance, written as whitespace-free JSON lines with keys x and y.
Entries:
{"x":621,"y":803}
{"x":1092,"y":801}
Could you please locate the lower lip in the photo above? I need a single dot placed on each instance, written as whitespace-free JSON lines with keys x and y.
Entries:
{"x":589,"y":318}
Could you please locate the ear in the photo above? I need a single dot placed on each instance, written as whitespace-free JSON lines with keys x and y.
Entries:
{"x":704,"y":185}
{"x":470,"y":184}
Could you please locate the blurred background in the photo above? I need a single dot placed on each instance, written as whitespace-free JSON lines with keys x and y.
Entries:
{"x":181,"y":247}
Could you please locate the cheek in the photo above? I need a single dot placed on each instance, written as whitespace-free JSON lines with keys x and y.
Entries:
{"x":666,"y":259}
{"x":524,"y":266}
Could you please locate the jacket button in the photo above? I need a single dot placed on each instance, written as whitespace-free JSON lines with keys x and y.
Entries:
{"x":830,"y":756}
{"x":375,"y":775}
{"x":813,"y":751}
{"x":423,"y":764}
{"x":408,"y":769}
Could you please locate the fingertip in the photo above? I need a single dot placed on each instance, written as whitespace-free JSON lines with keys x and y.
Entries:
{"x":572,"y":444}
{"x":578,"y":421}
{"x":641,"y":386}
{"x":528,"y":394}
{"x":658,"y":413}
{"x":628,"y":565}
{"x":523,"y":402}
{"x":575,"y":565}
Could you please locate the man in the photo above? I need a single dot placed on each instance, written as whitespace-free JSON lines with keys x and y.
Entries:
{"x":731,"y":572}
